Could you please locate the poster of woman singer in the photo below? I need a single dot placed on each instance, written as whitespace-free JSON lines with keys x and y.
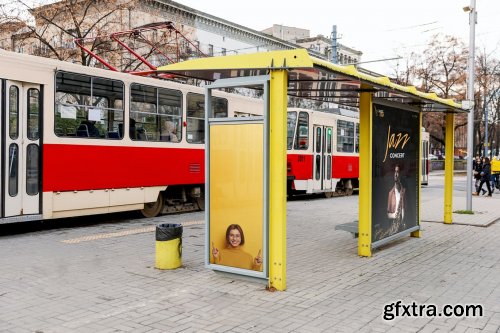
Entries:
{"x":395,"y":169}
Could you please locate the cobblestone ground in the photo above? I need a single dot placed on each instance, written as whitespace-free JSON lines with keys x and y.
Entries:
{"x":101,"y":278}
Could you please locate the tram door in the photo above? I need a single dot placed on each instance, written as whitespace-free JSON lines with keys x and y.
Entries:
{"x":322,"y":169}
{"x":21,"y":149}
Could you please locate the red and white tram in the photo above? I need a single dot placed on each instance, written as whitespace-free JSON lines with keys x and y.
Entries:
{"x":79,"y":141}
{"x":323,"y":152}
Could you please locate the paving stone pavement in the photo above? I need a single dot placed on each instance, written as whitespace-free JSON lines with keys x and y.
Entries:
{"x":104,"y":279}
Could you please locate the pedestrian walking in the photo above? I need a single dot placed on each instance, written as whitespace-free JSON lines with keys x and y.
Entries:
{"x":477,"y":167}
{"x":485,"y":177}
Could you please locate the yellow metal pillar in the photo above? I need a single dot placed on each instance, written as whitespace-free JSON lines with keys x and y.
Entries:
{"x":448,"y":167}
{"x":277,"y":179}
{"x":417,"y":233}
{"x":365,"y":174}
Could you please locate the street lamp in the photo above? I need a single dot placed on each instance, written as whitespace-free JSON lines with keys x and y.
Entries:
{"x":470,"y":99}
{"x":485,"y":126}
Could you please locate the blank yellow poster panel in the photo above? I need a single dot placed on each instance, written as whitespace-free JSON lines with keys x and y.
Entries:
{"x":236,"y":183}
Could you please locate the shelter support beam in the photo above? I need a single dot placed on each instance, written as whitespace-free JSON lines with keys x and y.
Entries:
{"x":277,"y":179}
{"x":417,"y":233}
{"x":448,"y":167}
{"x":365,"y":173}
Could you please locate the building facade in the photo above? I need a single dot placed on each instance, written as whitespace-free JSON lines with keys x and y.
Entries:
{"x":212,"y":35}
{"x":320,"y":45}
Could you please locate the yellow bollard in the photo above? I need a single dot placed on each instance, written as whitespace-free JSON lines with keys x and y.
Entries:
{"x":168,"y":246}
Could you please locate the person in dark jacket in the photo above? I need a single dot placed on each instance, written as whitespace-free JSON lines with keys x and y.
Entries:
{"x":477,"y":167}
{"x":485,"y":177}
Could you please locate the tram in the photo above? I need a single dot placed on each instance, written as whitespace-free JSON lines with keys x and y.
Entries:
{"x":323,"y":152}
{"x":79,"y":141}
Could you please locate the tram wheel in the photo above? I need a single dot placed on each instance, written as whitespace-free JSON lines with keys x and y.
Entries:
{"x":328,"y":194}
{"x":200,"y":202}
{"x":349,"y":191}
{"x":152,"y":209}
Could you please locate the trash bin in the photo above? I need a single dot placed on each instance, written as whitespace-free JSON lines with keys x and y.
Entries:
{"x":168,"y":246}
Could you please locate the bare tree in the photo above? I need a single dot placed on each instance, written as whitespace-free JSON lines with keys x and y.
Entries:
{"x":441,"y":68}
{"x":50,"y":28}
{"x":487,"y":100}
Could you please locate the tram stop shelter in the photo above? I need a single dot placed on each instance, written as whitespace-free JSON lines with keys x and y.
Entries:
{"x":381,"y":104}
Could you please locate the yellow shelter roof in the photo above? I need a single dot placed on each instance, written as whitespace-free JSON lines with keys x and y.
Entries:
{"x":311,"y":78}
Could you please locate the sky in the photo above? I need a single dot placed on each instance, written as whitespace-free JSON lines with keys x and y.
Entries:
{"x":382,"y":29}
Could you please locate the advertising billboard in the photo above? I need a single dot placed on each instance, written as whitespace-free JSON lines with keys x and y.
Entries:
{"x":236,"y":212}
{"x":395,"y":171}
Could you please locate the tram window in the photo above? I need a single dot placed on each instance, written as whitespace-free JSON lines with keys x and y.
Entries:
{"x":33,"y":113}
{"x":13,"y":168}
{"x":328,"y":167}
{"x":32,"y":153}
{"x":219,"y":107}
{"x":88,"y":106}
{"x":13,"y":112}
{"x":356,"y":145}
{"x":170,"y":115}
{"x":156,"y":114}
{"x":318,"y":167}
{"x":329,"y":140}
{"x":302,"y":135}
{"x":291,"y":122}
{"x":104,"y":91}
{"x":72,"y":88}
{"x":318,"y":139}
{"x":196,"y":115}
{"x":345,"y":136}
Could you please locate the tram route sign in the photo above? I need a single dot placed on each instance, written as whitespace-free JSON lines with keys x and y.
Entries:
{"x":395,"y":172}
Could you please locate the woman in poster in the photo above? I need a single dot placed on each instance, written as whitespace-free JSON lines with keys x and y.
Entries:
{"x":233,"y":255}
{"x":396,"y":202}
